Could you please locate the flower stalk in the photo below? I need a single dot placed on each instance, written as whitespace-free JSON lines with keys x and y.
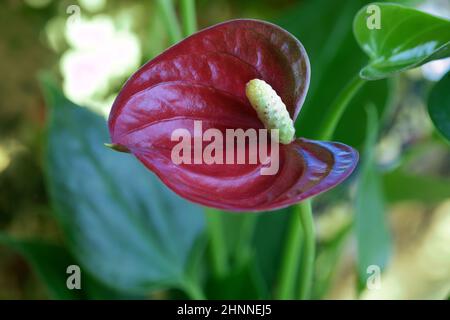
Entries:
{"x":189,"y":23}
{"x":308,"y":251}
{"x":303,"y":232}
{"x":170,"y":20}
{"x":217,"y":244}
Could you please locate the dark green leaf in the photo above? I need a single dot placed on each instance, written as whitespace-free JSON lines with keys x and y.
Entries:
{"x":439,"y":106}
{"x":241,"y":283}
{"x":50,"y":262}
{"x":405,"y":38}
{"x":353,"y":123}
{"x":373,"y":239}
{"x":121,"y":223}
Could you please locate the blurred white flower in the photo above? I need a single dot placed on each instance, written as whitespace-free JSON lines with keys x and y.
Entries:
{"x":99,"y":56}
{"x":90,"y":34}
{"x":85,"y":74}
{"x":435,"y":70}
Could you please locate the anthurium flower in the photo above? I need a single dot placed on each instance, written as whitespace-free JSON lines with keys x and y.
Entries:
{"x":241,"y":74}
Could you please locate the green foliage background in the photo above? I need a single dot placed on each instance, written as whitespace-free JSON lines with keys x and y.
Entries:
{"x":65,"y":199}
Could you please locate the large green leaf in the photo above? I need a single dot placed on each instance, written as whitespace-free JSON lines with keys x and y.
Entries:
{"x":405,"y":38}
{"x":373,"y":238}
{"x":439,"y":106}
{"x":121,"y":223}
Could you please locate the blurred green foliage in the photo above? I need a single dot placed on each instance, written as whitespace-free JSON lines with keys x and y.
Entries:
{"x":134,"y":238}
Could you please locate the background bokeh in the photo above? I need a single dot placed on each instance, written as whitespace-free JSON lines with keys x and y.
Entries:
{"x":92,"y":46}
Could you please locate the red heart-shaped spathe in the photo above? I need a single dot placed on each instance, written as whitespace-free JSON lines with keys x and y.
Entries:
{"x":203,"y":78}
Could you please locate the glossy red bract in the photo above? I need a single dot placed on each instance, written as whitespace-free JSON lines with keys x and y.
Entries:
{"x":203,"y":78}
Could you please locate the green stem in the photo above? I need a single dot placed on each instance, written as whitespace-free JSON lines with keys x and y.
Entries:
{"x":338,"y":107}
{"x":189,"y":17}
{"x":308,"y":250}
{"x":193,"y":291}
{"x":290,"y":259}
{"x":244,"y":241}
{"x":330,"y":122}
{"x":217,"y":243}
{"x":170,"y":20}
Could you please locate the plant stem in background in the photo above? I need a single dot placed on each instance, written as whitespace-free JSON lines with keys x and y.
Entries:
{"x":189,"y":17}
{"x":170,"y":20}
{"x":217,"y":245}
{"x":308,"y":249}
{"x":338,"y":108}
{"x":244,"y":242}
{"x":193,"y":291}
{"x":290,"y":259}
